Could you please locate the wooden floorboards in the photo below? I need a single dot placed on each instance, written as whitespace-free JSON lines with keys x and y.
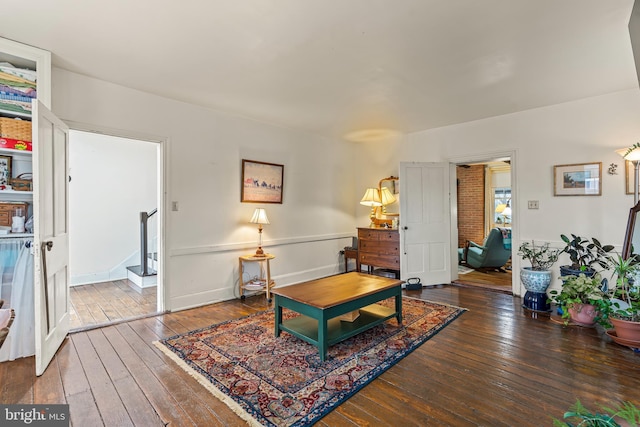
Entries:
{"x":109,"y":302}
{"x":496,"y":365}
{"x":495,"y":280}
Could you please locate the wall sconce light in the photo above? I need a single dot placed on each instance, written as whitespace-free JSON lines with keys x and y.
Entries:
{"x":633,"y":155}
{"x":259,"y":217}
{"x":371,"y":198}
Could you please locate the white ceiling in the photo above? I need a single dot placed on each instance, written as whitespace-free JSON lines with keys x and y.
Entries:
{"x":332,"y":66}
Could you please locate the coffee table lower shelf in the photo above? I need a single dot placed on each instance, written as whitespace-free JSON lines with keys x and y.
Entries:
{"x":306,"y":328}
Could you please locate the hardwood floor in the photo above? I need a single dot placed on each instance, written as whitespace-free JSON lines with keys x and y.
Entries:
{"x":499,"y":281}
{"x":109,"y":302}
{"x":496,"y":365}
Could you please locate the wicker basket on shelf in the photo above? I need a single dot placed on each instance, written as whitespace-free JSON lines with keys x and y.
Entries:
{"x":15,"y":129}
{"x":23,"y":182}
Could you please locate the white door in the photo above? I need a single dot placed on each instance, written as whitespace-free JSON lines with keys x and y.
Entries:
{"x":425,"y":239}
{"x":51,"y":240}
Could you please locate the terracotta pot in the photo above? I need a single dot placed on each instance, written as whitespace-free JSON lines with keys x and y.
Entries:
{"x":583,"y":314}
{"x":626,"y":329}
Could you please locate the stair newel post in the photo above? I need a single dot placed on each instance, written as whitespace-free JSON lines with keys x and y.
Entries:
{"x":143,"y":243}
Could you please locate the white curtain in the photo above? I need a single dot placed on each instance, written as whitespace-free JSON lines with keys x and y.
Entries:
{"x":16,"y":268}
{"x":9,"y":250}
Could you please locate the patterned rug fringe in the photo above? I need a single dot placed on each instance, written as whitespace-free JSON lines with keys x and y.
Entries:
{"x":237,"y":409}
{"x":439,"y":303}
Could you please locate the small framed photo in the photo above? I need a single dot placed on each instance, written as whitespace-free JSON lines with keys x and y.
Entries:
{"x":629,"y":176}
{"x":261,"y":182}
{"x":5,"y":170}
{"x":581,"y":179}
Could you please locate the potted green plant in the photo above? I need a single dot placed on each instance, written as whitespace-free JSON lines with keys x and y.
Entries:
{"x":536,"y":279}
{"x":624,"y":304}
{"x":585,"y":254}
{"x":623,"y":414}
{"x":582,"y":299}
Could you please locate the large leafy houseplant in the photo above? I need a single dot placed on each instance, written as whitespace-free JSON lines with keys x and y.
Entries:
{"x":623,"y":414}
{"x":585,"y":253}
{"x":578,"y":291}
{"x":536,"y":279}
{"x":625,"y":301}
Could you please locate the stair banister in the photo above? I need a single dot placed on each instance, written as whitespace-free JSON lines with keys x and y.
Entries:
{"x":144,"y":245}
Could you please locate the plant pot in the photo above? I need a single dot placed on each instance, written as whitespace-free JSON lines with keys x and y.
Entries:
{"x":583,"y":314}
{"x":536,"y":283}
{"x":566,"y":270}
{"x":626,"y":329}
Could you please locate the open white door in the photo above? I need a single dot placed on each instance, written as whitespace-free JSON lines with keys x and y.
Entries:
{"x":51,"y":240}
{"x":425,"y":239}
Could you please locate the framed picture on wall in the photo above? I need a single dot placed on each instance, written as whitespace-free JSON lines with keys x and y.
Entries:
{"x":581,"y":179}
{"x":261,"y":182}
{"x":5,"y":170}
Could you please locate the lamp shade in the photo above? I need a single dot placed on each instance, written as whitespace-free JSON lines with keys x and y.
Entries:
{"x":500,"y":208}
{"x":386,"y":197}
{"x":507,"y":211}
{"x":371,"y":198}
{"x":259,"y":217}
{"x":632,"y":153}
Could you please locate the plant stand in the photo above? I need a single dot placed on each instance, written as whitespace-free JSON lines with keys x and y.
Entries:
{"x":536,"y":301}
{"x":536,"y":283}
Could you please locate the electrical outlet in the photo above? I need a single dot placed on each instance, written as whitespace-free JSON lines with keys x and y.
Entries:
{"x":174,"y":206}
{"x":533,"y":204}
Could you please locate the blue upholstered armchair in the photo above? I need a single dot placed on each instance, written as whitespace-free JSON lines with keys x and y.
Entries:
{"x":494,"y":252}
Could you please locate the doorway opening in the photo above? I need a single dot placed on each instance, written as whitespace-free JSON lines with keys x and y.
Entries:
{"x":485,"y":220}
{"x":114,"y":194}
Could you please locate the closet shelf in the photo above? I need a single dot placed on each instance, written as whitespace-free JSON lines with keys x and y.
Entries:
{"x":14,"y":235}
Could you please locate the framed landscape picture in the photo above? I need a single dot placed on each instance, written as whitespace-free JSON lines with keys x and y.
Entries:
{"x":581,"y":179}
{"x":261,"y":182}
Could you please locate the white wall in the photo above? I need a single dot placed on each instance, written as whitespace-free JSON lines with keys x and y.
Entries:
{"x":324,"y":179}
{"x":113,"y":180}
{"x":584,"y":131}
{"x":203,"y":166}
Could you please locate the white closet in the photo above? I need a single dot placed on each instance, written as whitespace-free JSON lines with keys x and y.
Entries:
{"x":20,"y":261}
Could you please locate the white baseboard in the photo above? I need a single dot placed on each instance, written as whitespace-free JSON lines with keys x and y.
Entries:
{"x":144,"y":281}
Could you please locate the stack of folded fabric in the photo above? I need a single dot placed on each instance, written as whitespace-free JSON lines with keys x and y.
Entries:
{"x":17,"y":89}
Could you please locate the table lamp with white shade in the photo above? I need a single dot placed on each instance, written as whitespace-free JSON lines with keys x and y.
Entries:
{"x":371,"y":198}
{"x":386,"y":198}
{"x":259,"y":217}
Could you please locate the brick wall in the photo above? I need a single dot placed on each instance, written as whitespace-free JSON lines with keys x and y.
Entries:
{"x":470,"y":204}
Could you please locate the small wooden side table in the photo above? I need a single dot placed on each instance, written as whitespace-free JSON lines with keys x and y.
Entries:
{"x":350,"y":253}
{"x":263,"y":282}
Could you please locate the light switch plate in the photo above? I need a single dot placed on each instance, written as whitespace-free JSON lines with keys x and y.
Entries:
{"x":533,"y":204}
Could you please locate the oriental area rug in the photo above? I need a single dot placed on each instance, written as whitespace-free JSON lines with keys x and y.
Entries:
{"x":271,"y":381}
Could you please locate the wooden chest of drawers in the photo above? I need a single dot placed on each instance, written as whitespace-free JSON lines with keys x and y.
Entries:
{"x":378,"y":247}
{"x":7,"y":210}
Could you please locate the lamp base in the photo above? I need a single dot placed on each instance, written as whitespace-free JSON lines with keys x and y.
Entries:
{"x":372,"y":217}
{"x":260,"y":252}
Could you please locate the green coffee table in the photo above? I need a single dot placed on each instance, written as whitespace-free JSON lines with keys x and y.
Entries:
{"x":321,"y":301}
